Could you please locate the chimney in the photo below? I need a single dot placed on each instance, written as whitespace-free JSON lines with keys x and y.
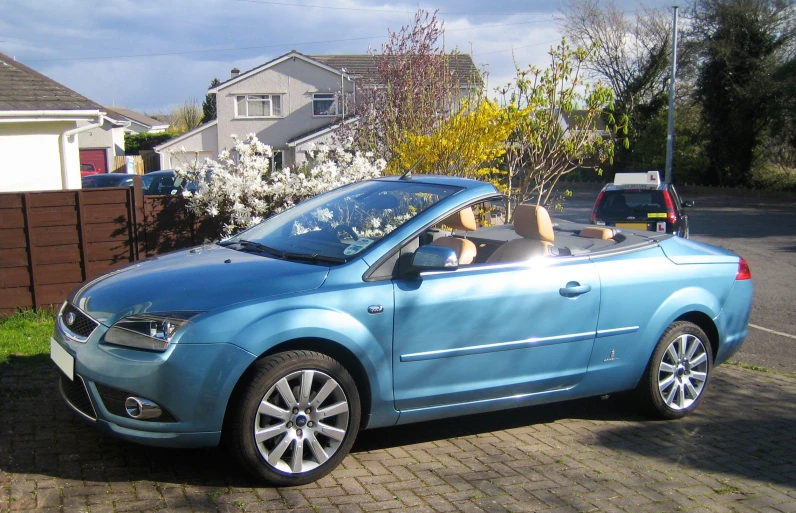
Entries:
{"x":235,"y":72}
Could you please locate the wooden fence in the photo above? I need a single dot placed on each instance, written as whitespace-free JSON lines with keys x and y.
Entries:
{"x":142,"y":164}
{"x":50,"y":242}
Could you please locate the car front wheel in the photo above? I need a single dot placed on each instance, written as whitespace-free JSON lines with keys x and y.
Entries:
{"x":296,"y":419}
{"x":678,"y":372}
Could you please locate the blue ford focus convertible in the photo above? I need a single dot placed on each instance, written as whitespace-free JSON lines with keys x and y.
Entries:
{"x":386,"y":302}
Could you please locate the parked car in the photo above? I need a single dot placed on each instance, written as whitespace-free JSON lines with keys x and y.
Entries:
{"x":88,"y":170}
{"x":166,"y":183}
{"x":160,"y":183}
{"x":640,"y":201}
{"x":383,"y":303}
{"x":107,"y":180}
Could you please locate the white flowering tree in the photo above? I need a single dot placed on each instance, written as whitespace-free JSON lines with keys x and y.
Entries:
{"x":240,"y":189}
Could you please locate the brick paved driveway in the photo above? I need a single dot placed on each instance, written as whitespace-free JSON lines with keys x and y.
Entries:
{"x":737,"y":453}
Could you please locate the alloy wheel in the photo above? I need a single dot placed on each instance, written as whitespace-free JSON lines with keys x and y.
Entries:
{"x":301,"y":422}
{"x":683,"y":372}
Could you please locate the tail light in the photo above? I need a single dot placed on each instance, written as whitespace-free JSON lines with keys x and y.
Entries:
{"x":596,"y":206}
{"x":670,"y":213}
{"x":744,"y":273}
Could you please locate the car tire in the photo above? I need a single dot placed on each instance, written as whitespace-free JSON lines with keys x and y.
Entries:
{"x":295,"y":419}
{"x":678,"y":371}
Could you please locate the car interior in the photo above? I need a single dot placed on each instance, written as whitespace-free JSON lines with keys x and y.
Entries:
{"x":533,"y":234}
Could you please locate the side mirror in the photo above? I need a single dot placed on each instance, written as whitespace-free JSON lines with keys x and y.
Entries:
{"x":688,"y":203}
{"x":434,"y":258}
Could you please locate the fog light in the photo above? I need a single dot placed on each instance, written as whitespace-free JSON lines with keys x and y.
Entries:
{"x":140,"y":409}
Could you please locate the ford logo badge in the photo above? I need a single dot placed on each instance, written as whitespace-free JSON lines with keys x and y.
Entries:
{"x":70,"y":318}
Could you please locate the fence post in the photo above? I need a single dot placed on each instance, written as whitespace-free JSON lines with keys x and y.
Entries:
{"x":31,"y":250}
{"x":138,"y":218}
{"x":81,"y":233}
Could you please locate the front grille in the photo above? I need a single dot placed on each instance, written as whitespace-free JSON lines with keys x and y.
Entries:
{"x":76,"y":395}
{"x":114,"y":399}
{"x":81,"y":324}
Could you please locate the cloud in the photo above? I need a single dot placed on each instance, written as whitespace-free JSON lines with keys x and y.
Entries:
{"x":152,"y":55}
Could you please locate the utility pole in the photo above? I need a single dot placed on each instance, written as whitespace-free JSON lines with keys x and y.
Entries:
{"x":670,"y":132}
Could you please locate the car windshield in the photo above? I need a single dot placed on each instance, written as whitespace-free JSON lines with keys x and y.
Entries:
{"x":168,"y":183}
{"x":333,"y":227}
{"x":107,"y":180}
{"x":632,"y":201}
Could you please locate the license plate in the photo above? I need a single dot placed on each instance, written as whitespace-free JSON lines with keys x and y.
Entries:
{"x":632,"y":226}
{"x":64,"y":360}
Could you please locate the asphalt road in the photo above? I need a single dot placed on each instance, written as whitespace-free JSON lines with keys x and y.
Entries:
{"x":761,"y":230}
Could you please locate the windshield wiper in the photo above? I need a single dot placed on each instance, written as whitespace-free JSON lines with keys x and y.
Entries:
{"x":308,"y":257}
{"x":250,"y":244}
{"x":314,"y":257}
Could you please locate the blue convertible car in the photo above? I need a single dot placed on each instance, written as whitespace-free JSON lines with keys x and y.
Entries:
{"x":383,"y":303}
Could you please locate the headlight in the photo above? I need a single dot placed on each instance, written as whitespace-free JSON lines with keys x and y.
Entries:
{"x":151,"y":331}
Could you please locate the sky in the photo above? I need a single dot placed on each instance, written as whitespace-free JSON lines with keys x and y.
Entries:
{"x":152,"y":55}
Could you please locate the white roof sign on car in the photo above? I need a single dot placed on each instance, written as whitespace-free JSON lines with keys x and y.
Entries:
{"x":650,"y":179}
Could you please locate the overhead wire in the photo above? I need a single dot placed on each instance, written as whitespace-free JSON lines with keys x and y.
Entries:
{"x":326,"y":41}
{"x":260,"y":47}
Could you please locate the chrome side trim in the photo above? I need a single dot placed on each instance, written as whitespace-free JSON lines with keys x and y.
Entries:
{"x":616,"y":331}
{"x":487,"y":401}
{"x":500,"y":346}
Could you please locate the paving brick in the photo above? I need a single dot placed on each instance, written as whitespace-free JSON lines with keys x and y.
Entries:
{"x":736,"y":453}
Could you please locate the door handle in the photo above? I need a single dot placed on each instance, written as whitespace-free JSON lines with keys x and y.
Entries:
{"x":574,"y":289}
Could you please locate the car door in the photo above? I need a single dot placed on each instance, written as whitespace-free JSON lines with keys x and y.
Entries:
{"x":491,"y":331}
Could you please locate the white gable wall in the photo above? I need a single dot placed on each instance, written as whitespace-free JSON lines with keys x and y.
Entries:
{"x":190,"y":149}
{"x":30,"y":156}
{"x":296,"y":80}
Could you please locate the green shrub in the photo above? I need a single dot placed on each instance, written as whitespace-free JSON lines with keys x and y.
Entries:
{"x":134,"y":143}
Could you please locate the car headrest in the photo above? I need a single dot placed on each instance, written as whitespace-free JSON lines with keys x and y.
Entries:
{"x":533,"y":222}
{"x":598,"y":232}
{"x":462,"y":220}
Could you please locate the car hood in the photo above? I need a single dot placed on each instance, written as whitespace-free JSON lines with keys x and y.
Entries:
{"x":199,"y":279}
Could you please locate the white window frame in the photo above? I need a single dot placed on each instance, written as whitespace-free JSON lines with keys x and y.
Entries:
{"x":264,"y":98}
{"x":326,"y":97}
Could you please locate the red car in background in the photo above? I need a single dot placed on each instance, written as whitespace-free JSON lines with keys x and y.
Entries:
{"x":87,"y":170}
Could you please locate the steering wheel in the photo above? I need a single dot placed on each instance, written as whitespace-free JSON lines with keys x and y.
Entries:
{"x":345,"y":229}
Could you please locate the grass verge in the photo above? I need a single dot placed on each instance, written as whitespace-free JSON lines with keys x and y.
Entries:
{"x":25,"y":336}
{"x":758,"y":368}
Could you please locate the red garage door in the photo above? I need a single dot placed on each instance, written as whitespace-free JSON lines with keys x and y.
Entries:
{"x":95,"y":158}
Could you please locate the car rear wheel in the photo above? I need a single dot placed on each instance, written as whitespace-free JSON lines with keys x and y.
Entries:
{"x":678,"y":372}
{"x":296,"y":419}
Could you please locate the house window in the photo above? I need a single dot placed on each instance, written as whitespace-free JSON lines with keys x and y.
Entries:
{"x":258,"y":106}
{"x":324,"y":104}
{"x":276,"y":160}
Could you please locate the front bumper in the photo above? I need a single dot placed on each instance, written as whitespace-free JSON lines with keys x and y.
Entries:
{"x":192,"y":383}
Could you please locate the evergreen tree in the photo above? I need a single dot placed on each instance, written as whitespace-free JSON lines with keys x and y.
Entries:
{"x":740,"y":42}
{"x":209,"y":105}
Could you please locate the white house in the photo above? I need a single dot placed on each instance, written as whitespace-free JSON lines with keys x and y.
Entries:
{"x":43,"y":126}
{"x":139,"y":123}
{"x":290,"y":103}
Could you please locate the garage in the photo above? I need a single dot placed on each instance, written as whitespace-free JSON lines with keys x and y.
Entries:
{"x":96,"y":158}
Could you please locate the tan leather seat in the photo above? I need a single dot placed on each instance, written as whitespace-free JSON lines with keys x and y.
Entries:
{"x":534,"y":225}
{"x":465,"y":249}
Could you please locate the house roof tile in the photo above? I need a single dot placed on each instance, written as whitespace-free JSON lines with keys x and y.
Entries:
{"x":364,"y":66}
{"x":136,"y":116}
{"x":23,"y":89}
